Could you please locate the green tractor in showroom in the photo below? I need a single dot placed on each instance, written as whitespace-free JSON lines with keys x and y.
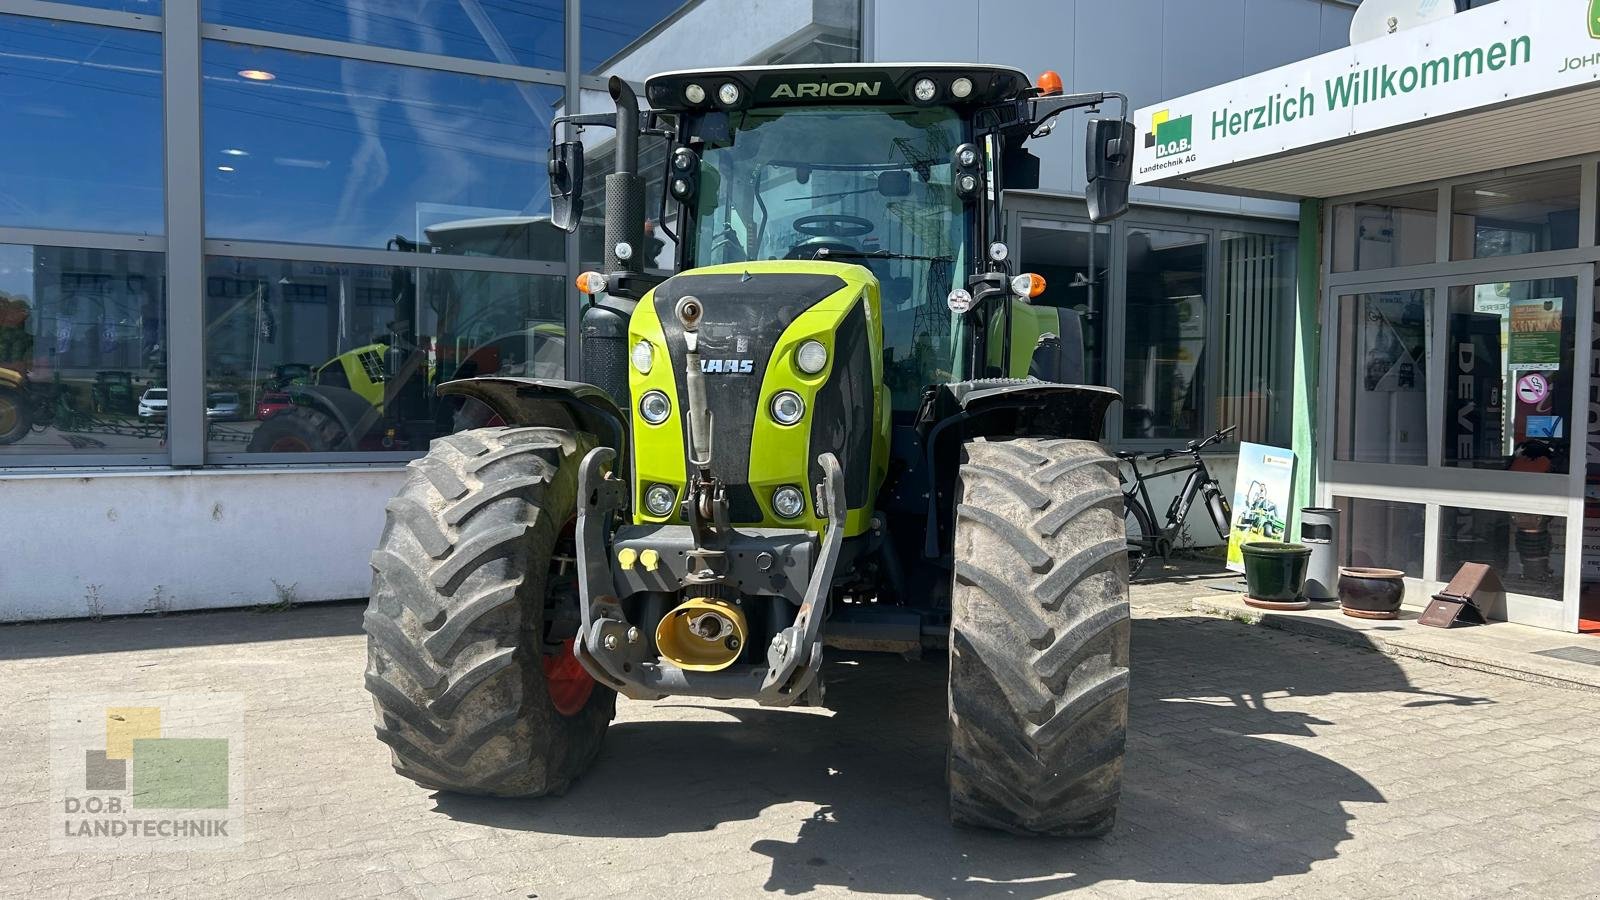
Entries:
{"x":846,"y":422}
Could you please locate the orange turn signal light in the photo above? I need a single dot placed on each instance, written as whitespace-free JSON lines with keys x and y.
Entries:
{"x":1050,"y":82}
{"x":1027,"y":285}
{"x":591,"y":283}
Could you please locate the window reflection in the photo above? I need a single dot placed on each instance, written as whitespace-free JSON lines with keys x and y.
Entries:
{"x":310,"y":149}
{"x":1515,"y":214}
{"x":638,"y":38}
{"x":1382,"y":534}
{"x":524,"y":33}
{"x":1164,"y":372}
{"x":1526,"y":550}
{"x":1509,"y":387}
{"x":1074,"y":259}
{"x":326,"y":357}
{"x":1382,"y":363}
{"x":80,"y":109}
{"x":82,"y":351}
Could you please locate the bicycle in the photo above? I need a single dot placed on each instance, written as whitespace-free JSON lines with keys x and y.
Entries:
{"x":1144,"y":539}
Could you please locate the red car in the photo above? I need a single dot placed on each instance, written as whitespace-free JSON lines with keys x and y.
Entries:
{"x":271,"y":404}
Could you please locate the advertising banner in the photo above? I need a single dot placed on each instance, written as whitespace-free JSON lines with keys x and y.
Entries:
{"x":1261,"y":498}
{"x":1491,"y":55}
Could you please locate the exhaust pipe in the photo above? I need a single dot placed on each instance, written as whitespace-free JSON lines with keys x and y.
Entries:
{"x":624,"y":187}
{"x":702,"y":635}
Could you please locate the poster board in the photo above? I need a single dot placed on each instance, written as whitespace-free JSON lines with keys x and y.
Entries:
{"x":1261,"y":496}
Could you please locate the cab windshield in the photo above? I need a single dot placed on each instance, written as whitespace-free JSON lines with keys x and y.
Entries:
{"x":868,"y":185}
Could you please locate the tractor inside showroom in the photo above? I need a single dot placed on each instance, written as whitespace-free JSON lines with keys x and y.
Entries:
{"x":845,"y":422}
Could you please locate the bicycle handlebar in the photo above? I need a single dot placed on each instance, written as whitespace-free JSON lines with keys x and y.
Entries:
{"x":1193,"y":446}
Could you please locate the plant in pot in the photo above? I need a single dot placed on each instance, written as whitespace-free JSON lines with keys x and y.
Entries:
{"x":1275,"y":574}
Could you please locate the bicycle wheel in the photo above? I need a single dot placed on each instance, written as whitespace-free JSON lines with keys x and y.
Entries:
{"x":1141,"y":534}
{"x":1217,"y":505}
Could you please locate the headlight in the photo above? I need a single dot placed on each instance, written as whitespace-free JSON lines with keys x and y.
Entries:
{"x":659,"y":499}
{"x":787,"y":407}
{"x":728,"y":93}
{"x":655,"y":407}
{"x":961,"y":87}
{"x":788,"y":501}
{"x":643,"y":357}
{"x":694,"y":93}
{"x":924,"y":89}
{"x":812,"y":357}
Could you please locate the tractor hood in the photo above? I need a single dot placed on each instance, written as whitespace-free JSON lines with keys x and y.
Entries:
{"x":756,"y":317}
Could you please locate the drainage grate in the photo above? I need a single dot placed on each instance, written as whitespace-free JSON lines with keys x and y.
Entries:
{"x":1573,"y":654}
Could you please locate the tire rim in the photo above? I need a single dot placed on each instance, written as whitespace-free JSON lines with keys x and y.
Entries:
{"x":569,"y":683}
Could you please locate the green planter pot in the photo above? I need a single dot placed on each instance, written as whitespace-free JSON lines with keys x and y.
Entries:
{"x":1276,"y":574}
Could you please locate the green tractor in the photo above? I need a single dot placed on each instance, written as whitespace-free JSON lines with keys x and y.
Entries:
{"x":846,"y":422}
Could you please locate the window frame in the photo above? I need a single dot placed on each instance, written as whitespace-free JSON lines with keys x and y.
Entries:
{"x":1435,"y":485}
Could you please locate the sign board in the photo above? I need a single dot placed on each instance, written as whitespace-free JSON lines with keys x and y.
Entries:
{"x":1535,"y":339}
{"x":1487,"y":56}
{"x":1261,"y":495}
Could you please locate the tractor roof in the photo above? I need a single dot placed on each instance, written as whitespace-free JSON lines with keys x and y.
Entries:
{"x":833,"y":85}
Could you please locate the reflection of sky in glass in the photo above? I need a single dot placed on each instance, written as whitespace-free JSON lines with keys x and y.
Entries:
{"x":353,"y":153}
{"x":609,"y":26}
{"x":80,"y":109}
{"x":147,"y":7}
{"x":516,"y":32}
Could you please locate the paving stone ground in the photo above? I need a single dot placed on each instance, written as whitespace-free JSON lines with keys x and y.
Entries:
{"x":1260,"y":764}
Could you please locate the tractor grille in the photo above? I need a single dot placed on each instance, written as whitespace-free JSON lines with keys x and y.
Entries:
{"x":744,"y":317}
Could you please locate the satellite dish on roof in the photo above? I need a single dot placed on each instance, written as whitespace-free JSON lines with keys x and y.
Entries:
{"x":1378,"y":18}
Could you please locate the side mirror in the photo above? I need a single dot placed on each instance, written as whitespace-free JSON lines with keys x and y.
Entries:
{"x":566,"y":185}
{"x":1110,"y":169}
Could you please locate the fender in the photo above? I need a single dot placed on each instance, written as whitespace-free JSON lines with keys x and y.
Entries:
{"x":541,"y":401}
{"x":1004,"y":407}
{"x":346,"y":407}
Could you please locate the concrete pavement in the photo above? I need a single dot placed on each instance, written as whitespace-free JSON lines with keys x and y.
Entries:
{"x":1260,"y":764}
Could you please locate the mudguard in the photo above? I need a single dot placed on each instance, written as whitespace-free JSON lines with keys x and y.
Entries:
{"x":540,"y":401}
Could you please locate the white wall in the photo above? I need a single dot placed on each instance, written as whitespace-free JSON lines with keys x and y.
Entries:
{"x":1150,"y":50}
{"x":84,"y":544}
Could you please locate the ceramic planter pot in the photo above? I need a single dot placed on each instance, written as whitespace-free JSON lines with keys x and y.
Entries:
{"x":1371,"y":593}
{"x":1275,"y":574}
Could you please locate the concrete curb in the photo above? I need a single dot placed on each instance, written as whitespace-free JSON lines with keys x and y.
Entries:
{"x":1521,"y":666}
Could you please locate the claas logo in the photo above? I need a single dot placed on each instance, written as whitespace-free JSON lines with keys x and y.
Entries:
{"x":1171,"y":136}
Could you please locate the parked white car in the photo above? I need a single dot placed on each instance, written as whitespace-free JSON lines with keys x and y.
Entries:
{"x":153,"y":404}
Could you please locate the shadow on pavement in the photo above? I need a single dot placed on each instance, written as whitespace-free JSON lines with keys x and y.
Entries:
{"x":1211,"y":795}
{"x":199,"y":628}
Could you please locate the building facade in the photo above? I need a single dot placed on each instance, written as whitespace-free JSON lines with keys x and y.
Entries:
{"x":206,"y":204}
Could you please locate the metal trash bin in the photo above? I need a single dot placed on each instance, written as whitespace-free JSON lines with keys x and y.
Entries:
{"x":1319,"y":530}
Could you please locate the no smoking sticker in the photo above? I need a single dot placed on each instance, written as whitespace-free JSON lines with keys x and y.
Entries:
{"x":1533,"y":388}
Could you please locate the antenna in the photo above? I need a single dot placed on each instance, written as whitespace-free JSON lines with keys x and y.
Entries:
{"x":1379,"y":18}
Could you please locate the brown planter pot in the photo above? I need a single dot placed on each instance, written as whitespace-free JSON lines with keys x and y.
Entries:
{"x":1371,"y":593}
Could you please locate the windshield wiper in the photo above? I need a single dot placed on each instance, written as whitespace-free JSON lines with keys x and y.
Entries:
{"x":827,"y":252}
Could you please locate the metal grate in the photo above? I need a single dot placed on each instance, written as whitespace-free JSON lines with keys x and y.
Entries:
{"x":1584,"y":655}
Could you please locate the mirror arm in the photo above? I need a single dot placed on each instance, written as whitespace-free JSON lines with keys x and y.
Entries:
{"x":1043,"y":109}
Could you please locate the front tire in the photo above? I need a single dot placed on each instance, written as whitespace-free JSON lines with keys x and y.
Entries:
{"x":1039,"y":639}
{"x":299,"y":429}
{"x":473,"y":693}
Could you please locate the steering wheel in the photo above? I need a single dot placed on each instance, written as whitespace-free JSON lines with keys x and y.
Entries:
{"x":834,"y":226}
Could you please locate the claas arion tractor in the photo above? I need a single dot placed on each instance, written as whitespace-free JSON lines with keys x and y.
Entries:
{"x":846,"y":422}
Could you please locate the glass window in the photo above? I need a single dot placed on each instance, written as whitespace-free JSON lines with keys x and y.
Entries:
{"x":1382,"y":534}
{"x":82,"y":351}
{"x":317,"y":150}
{"x":144,"y":7}
{"x":1515,"y":214}
{"x":328,"y":357}
{"x":80,"y":106}
{"x":1509,"y":391}
{"x":638,"y":38}
{"x":1385,"y":233}
{"x":1526,"y":550}
{"x":1073,"y":257}
{"x":1163,"y":375}
{"x":1257,"y":350}
{"x":1382,"y":411}
{"x":524,"y":33}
